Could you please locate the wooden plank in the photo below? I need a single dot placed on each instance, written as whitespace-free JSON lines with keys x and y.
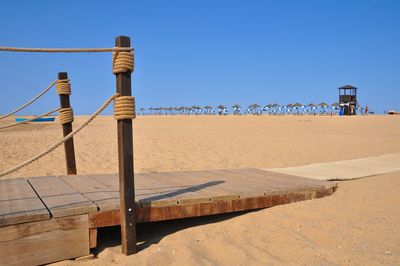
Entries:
{"x":60,"y":198}
{"x":103,"y":196}
{"x":208,"y":187}
{"x":19,"y":203}
{"x":85,"y":184}
{"x":112,"y":182}
{"x":280,"y":181}
{"x":42,"y":242}
{"x":202,"y":189}
{"x":235,"y":184}
{"x":171,"y":191}
{"x":94,"y":188}
{"x":92,"y":237}
{"x":258,"y":181}
{"x":153,"y":214}
{"x":110,"y":200}
{"x":109,"y":180}
{"x":282,"y":178}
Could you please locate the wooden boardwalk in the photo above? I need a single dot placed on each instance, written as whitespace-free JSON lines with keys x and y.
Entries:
{"x":56,"y":217}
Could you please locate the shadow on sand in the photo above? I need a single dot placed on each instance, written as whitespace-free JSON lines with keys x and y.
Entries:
{"x":152,"y":233}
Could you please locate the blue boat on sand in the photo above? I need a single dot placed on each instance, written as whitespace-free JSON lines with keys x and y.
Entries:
{"x":40,"y":119}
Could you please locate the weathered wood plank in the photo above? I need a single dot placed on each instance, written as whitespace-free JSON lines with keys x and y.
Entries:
{"x":19,"y":203}
{"x":60,"y":198}
{"x":153,"y":214}
{"x":103,"y":196}
{"x":42,"y":242}
{"x":92,"y":237}
{"x":85,"y":184}
{"x":112,"y":182}
{"x":201,"y":186}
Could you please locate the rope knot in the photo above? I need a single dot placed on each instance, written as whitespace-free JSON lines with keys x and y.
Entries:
{"x":63,"y":87}
{"x":122,"y":61}
{"x":66,"y":115}
{"x":124,"y":107}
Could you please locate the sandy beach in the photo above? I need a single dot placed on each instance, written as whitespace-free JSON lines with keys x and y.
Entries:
{"x":356,"y":225}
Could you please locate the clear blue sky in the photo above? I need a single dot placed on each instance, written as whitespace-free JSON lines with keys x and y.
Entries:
{"x":206,"y":52}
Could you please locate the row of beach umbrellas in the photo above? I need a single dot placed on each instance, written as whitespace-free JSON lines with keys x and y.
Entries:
{"x":237,"y":109}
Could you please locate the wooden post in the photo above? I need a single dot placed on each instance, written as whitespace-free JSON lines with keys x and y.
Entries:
{"x":67,"y":128}
{"x":125,"y":162}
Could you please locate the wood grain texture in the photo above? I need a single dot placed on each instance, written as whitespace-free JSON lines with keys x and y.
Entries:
{"x":92,"y":237}
{"x":42,"y":242}
{"x":170,"y":195}
{"x":19,"y":203}
{"x":60,"y":198}
{"x":162,"y":213}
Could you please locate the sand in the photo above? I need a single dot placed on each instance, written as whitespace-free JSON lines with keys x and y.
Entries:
{"x":359,"y":224}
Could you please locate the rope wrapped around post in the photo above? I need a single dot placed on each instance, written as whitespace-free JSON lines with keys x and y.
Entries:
{"x":123,"y":61}
{"x":124,"y":107}
{"x":63,"y":87}
{"x":66,"y":115}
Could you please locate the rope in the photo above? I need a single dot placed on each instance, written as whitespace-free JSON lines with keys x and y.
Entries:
{"x":65,"y":50}
{"x":31,"y":119}
{"x":124,"y":107}
{"x":29,"y":102}
{"x":63,"y":87}
{"x":69,"y":136}
{"x":66,"y":115}
{"x":122,"y":62}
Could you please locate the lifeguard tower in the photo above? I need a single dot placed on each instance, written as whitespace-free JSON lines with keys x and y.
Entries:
{"x":348,"y":100}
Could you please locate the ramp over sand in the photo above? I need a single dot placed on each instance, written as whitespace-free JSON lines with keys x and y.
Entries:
{"x":346,"y":170}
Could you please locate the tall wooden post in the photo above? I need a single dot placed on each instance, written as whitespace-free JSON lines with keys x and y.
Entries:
{"x":125,"y":161}
{"x":67,"y":128}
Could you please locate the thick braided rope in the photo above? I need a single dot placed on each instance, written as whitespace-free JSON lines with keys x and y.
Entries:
{"x":30,"y":101}
{"x":122,"y":62}
{"x":124,"y":107}
{"x":69,"y":136}
{"x":66,"y":115}
{"x":65,"y":50}
{"x":31,"y":119}
{"x":63,"y":87}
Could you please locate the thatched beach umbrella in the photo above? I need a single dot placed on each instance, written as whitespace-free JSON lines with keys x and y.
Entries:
{"x":254,"y":107}
{"x":290,"y":107}
{"x":221,"y":109}
{"x":297,"y":106}
{"x":312,"y":106}
{"x":323,"y":105}
{"x":334,"y":106}
{"x":268,"y":107}
{"x":207,"y":109}
{"x":277,"y":107}
{"x":236,"y":109}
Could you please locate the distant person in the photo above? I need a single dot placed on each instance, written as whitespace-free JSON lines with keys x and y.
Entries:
{"x":366,"y":109}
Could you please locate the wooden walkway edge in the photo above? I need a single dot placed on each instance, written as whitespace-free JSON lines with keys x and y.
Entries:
{"x":39,"y":212}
